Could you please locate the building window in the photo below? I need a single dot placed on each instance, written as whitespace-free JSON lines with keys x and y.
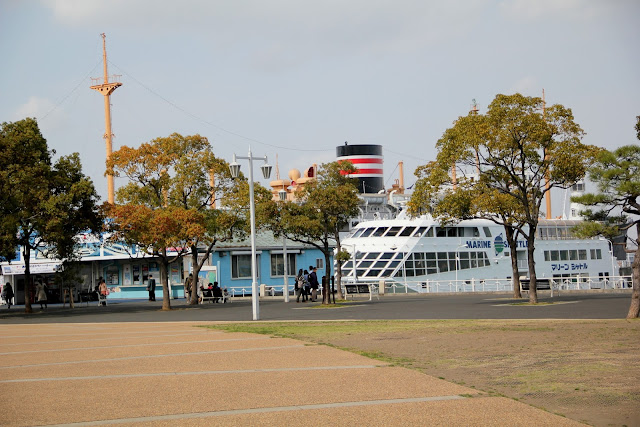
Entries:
{"x":277,"y":265}
{"x":319,"y":263}
{"x":241,"y":266}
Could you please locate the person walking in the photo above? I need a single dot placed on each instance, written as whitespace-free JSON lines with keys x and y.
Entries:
{"x":41,"y":294}
{"x":187,"y":286}
{"x":7,"y":294}
{"x":151,"y":287}
{"x":313,"y":283}
{"x":300,"y":286}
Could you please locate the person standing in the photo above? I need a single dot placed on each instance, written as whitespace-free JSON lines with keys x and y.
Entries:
{"x":102,"y":290}
{"x":313,"y":283}
{"x":187,"y":286}
{"x":7,"y":294}
{"x":151,"y":287}
{"x":41,"y":294}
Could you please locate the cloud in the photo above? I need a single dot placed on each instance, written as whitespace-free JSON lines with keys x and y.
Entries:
{"x":549,"y":9}
{"x":44,"y":110}
{"x":527,"y":86}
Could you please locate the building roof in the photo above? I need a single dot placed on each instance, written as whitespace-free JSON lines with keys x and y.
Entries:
{"x":265,"y":240}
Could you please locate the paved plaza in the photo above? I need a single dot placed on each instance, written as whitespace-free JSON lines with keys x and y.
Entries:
{"x":176,"y":373}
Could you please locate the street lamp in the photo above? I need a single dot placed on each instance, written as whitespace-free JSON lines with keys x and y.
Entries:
{"x":234,"y":168}
{"x":282,"y":195}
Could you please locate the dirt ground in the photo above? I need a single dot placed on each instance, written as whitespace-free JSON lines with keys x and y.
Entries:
{"x":586,"y":370}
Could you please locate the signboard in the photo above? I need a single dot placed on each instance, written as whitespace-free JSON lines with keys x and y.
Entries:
{"x":40,"y":268}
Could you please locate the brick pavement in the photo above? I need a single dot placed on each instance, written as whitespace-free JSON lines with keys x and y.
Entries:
{"x":175,"y":373}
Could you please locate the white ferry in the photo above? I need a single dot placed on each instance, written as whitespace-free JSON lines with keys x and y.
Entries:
{"x":472,"y":255}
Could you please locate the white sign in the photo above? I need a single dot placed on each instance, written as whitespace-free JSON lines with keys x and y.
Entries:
{"x":40,"y":268}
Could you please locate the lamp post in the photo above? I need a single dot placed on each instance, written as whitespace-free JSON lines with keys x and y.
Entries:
{"x":282,"y":195}
{"x":234,"y":167}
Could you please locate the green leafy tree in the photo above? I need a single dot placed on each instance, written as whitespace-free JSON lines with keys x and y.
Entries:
{"x":617,"y":174}
{"x":520,"y":150}
{"x":44,"y":206}
{"x":324,"y":206}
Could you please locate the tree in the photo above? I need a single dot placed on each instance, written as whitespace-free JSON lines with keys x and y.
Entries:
{"x":156,"y":230}
{"x":521,"y":150}
{"x":617,"y":174}
{"x":44,"y":206}
{"x":324,"y":206}
{"x":181,"y":174}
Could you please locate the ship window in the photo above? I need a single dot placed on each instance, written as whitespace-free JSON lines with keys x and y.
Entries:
{"x":380,"y":264}
{"x":464,"y":264}
{"x":430,"y":232}
{"x":452,"y":231}
{"x":394,"y":264}
{"x":441,"y":232}
{"x":552,"y":233}
{"x":409,"y":272}
{"x":452,"y":265}
{"x":365,"y":264}
{"x":463,"y":255}
{"x":582,"y":254}
{"x":418,"y":256}
{"x":474,"y":263}
{"x":443,"y":265}
{"x":379,"y":232}
{"x":430,"y":255}
{"x":431,"y":264}
{"x":420,"y":231}
{"x":408,"y":264}
{"x":347,"y":264}
{"x":387,"y":255}
{"x":564,"y":255}
{"x":372,"y":273}
{"x":547,"y":256}
{"x":432,"y":271}
{"x":360,"y":272}
{"x":367,"y":232}
{"x":358,"y":232}
{"x":596,"y":254}
{"x":562,"y":233}
{"x":393,"y":231}
{"x":442,"y":255}
{"x":476,"y":232}
{"x":387,"y":273}
{"x":555,"y":255}
{"x":407,"y":231}
{"x":487,"y":231}
{"x":371,"y":255}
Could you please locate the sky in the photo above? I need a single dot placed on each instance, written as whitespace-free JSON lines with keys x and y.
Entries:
{"x":295,"y":79}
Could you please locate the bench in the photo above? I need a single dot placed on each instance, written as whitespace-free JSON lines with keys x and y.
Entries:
{"x":362,"y":288}
{"x":206,"y":296}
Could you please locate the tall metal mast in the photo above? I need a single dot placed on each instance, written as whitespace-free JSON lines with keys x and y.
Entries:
{"x":106,"y":88}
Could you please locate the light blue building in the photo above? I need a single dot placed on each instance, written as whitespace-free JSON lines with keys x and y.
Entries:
{"x":232,"y":261}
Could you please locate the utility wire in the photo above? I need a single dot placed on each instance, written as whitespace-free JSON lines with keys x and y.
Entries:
{"x":82,"y":81}
{"x":193,"y":116}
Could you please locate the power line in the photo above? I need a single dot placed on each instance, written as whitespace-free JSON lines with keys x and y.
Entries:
{"x":82,"y":81}
{"x":200,"y":119}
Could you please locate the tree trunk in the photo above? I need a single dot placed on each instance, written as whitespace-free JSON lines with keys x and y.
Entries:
{"x":634,"y":309}
{"x":326,"y":292}
{"x":164,"y":279}
{"x":533,"y":292}
{"x":513,"y":250}
{"x":338,"y":269}
{"x":194,"y":279}
{"x":26,"y":253}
